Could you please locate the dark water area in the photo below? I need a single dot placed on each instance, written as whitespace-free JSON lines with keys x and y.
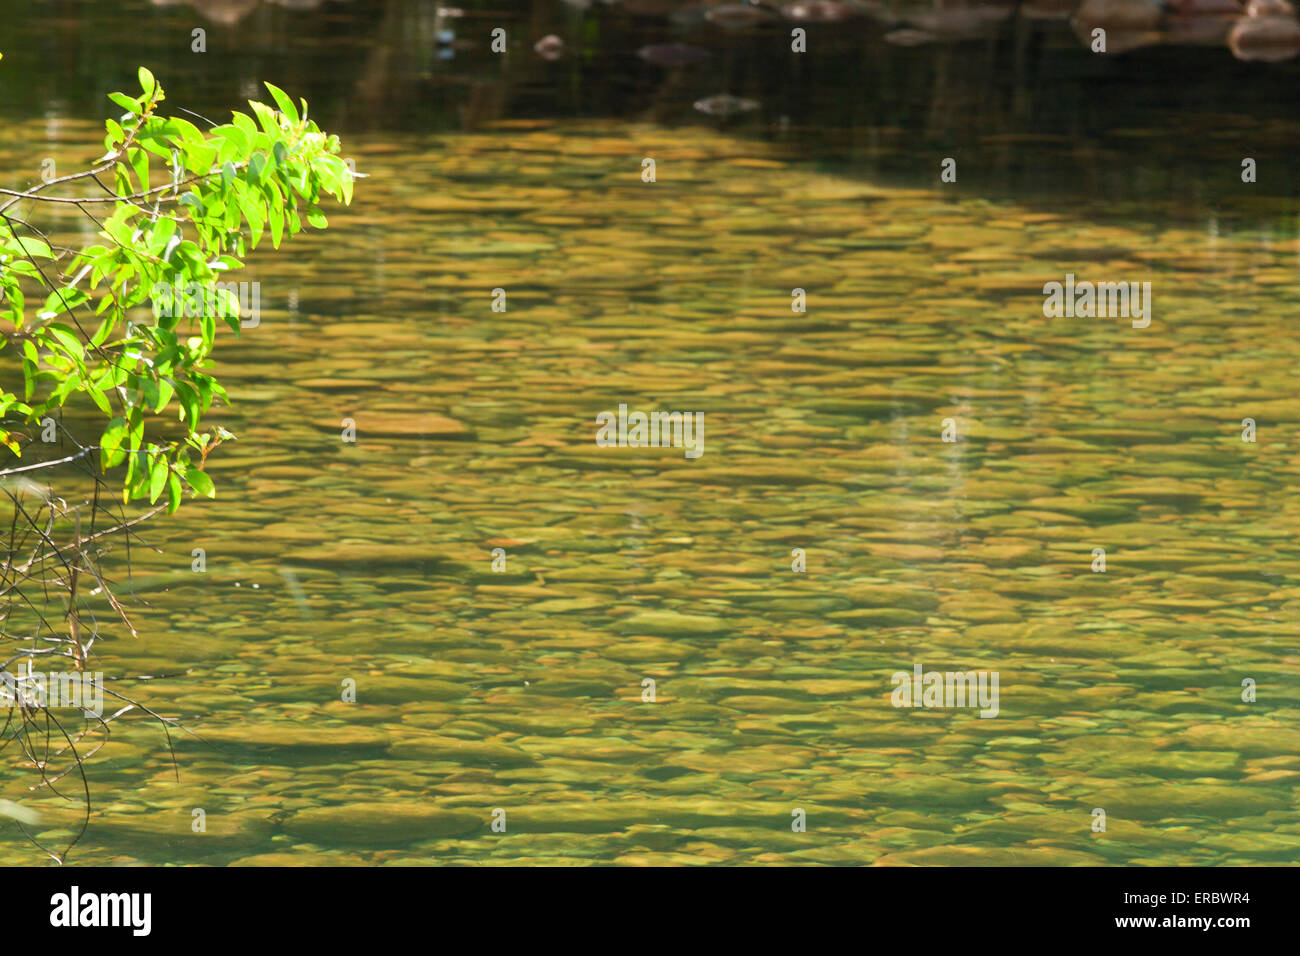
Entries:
{"x":1030,"y":110}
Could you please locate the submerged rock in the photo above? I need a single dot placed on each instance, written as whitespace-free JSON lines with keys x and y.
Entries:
{"x":379,"y":823}
{"x":390,"y":424}
{"x":672,"y":54}
{"x":1269,"y":8}
{"x":671,"y":624}
{"x":290,"y":736}
{"x":468,"y":753}
{"x":818,"y":11}
{"x":958,"y":21}
{"x":225,"y":12}
{"x":1252,"y":739}
{"x":1047,"y":9}
{"x":907,"y":37}
{"x":737,"y":16}
{"x":1198,"y":30}
{"x":1201,"y":8}
{"x":1215,"y":801}
{"x":1115,"y":15}
{"x":1269,"y":39}
{"x":549,"y":47}
{"x":157,"y":832}
{"x":724,"y":104}
{"x":988,"y":856}
{"x":299,"y":858}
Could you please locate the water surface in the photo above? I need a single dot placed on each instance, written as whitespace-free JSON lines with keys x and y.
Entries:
{"x":371,"y":562}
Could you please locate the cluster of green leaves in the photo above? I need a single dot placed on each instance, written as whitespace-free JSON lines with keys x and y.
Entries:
{"x":186,"y":205}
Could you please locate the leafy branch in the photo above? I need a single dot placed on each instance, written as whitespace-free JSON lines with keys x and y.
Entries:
{"x":187,"y":205}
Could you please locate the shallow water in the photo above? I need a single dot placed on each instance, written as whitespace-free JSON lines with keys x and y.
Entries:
{"x":523,"y":690}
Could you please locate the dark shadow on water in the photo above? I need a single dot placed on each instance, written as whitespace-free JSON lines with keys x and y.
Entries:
{"x":1029,"y":113}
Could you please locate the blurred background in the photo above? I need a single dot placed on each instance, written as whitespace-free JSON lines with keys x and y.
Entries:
{"x":1184,"y":87}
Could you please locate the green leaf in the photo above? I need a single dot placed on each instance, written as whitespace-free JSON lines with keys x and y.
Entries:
{"x":115,"y":137}
{"x":266,"y":118}
{"x":244,"y":122}
{"x":283,"y":102}
{"x":128,"y":104}
{"x":147,"y":83}
{"x":135,"y":429}
{"x":184,"y":130}
{"x":345,"y":178}
{"x":173,"y":492}
{"x":140,"y":163}
{"x":110,"y":444}
{"x":200,"y":482}
{"x":165,"y":392}
{"x":63,"y":300}
{"x":276,"y":210}
{"x":251,"y":207}
{"x":68,"y":339}
{"x":189,"y":402}
{"x":33,"y":248}
{"x":157,"y":476}
{"x":149,"y":391}
{"x":97,"y":396}
{"x":205,"y":384}
{"x":258,"y":166}
{"x":234,"y":142}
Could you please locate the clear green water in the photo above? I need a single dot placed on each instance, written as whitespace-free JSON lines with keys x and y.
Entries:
{"x":523,"y":690}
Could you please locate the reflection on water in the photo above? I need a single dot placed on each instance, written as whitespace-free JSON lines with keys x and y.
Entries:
{"x":524,"y":690}
{"x":1031,"y":107}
